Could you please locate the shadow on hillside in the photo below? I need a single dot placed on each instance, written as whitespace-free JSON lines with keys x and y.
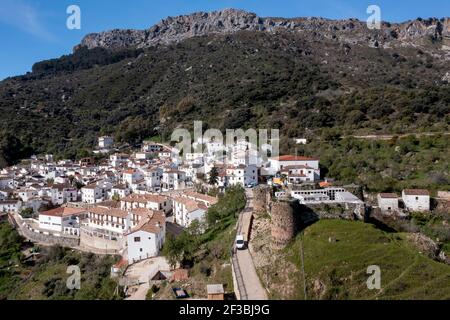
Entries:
{"x":306,"y":217}
{"x":381,"y":225}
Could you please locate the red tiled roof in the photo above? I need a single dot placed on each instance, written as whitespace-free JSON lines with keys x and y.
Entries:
{"x":191,"y":205}
{"x":324,"y":184}
{"x":121,"y":263}
{"x":62,"y":211}
{"x":153,"y":223}
{"x":200,"y":196}
{"x":416,"y":192}
{"x":180,"y":275}
{"x":144,"y":198}
{"x":109,"y":211}
{"x":388,"y":195}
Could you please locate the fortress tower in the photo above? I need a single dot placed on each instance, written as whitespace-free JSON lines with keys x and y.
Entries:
{"x":283,"y":222}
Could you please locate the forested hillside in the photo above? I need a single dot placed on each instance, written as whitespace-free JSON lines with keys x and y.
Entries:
{"x":299,"y":82}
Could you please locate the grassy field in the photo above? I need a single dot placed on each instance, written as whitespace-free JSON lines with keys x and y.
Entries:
{"x":336,"y":269}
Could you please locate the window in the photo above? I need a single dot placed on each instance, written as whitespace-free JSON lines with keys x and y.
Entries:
{"x":137,"y":239}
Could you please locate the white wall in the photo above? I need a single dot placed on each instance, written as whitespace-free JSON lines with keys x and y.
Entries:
{"x":50,"y":223}
{"x":148,"y":245}
{"x":198,"y":215}
{"x":416,"y":202}
{"x":387,"y":204}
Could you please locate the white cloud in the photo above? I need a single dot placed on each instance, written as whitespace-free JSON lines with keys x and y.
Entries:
{"x":25,"y":17}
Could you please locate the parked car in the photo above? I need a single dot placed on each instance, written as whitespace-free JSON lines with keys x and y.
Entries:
{"x":180,"y":293}
{"x":240,"y":242}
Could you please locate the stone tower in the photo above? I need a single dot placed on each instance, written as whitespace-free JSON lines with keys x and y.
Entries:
{"x":283,"y":222}
{"x":260,"y":199}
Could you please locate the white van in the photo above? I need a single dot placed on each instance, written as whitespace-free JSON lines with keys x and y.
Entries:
{"x":240,"y":243}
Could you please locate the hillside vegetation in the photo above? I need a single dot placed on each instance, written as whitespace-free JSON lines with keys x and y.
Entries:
{"x":45,"y":278}
{"x":337,"y":269}
{"x":383,"y":166}
{"x":247,"y":79}
{"x":206,"y":255}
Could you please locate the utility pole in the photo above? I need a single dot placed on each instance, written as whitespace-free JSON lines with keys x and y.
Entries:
{"x":302,"y":258}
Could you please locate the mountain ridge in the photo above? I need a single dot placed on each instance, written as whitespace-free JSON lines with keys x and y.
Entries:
{"x":179,"y":28}
{"x":306,"y":84}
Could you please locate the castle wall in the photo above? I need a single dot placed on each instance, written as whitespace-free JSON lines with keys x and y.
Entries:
{"x":260,"y":199}
{"x":283,"y":223}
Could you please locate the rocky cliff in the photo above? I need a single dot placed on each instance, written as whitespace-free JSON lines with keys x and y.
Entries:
{"x":176,"y":29}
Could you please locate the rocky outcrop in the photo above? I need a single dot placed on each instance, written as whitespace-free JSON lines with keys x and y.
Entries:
{"x":176,"y":29}
{"x":426,"y":245}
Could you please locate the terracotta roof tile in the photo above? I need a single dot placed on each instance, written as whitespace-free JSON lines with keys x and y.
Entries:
{"x":416,"y":192}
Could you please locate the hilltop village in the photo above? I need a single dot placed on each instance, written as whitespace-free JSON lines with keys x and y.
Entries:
{"x":128,"y":203}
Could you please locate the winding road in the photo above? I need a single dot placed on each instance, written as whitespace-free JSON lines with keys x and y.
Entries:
{"x":249,"y":284}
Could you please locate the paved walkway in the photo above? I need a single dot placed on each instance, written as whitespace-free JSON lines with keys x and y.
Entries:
{"x":141,"y":272}
{"x":251,"y":282}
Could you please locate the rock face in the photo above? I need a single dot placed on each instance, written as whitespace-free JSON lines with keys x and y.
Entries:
{"x":175,"y":29}
{"x":426,"y":245}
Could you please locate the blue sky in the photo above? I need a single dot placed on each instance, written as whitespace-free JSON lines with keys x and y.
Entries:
{"x":35,"y":30}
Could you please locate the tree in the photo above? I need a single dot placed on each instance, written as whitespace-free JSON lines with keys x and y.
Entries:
{"x":173,"y":250}
{"x":115,"y":197}
{"x":213,"y":176}
{"x":27,"y":213}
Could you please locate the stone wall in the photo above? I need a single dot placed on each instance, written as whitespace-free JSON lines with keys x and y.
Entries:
{"x":99,"y":245}
{"x":260,"y":195}
{"x":442,"y":206}
{"x":288,"y":215}
{"x":36,"y":236}
{"x":284,"y":224}
{"x":345,"y":211}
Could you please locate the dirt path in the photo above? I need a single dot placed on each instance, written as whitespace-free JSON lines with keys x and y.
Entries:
{"x":391,"y":136}
{"x":141,"y":272}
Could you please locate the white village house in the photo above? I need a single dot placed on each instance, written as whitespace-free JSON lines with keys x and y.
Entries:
{"x":105,"y":142}
{"x":10,"y":206}
{"x":186,"y":210}
{"x":146,"y":239}
{"x":388,"y":202}
{"x":148,"y":201}
{"x":304,"y":168}
{"x":62,"y":220}
{"x":416,"y":199}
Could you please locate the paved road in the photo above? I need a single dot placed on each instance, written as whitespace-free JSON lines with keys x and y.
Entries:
{"x":141,"y":272}
{"x":252,"y":284}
